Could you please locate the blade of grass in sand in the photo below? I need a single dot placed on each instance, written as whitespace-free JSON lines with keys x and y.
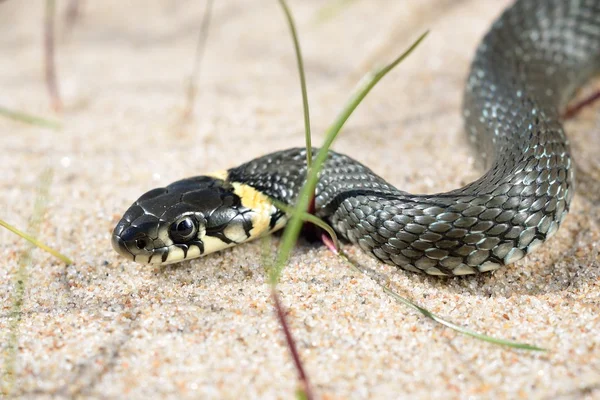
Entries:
{"x":300,"y":62}
{"x":313,"y":219}
{"x":192,"y":88}
{"x":9,"y":378}
{"x":28,"y":118}
{"x":331,"y":9}
{"x":292,"y":229}
{"x":50,"y":64}
{"x":36,"y":242}
{"x":434,"y":317}
{"x":304,"y":391}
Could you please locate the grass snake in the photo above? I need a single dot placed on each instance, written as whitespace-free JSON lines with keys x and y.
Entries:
{"x":526,"y":68}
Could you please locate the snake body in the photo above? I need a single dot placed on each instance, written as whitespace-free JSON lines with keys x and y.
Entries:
{"x":525,"y":69}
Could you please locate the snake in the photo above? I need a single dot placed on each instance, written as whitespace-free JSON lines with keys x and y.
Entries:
{"x":525,"y":70}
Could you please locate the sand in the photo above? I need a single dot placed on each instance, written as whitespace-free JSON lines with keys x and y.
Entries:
{"x":106,"y":327}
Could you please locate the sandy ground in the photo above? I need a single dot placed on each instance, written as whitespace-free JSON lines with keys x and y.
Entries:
{"x":107,"y":328}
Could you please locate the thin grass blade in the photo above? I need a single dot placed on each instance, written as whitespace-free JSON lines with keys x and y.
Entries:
{"x":49,"y":59}
{"x":36,"y":242}
{"x":294,"y":34}
{"x":11,"y":348}
{"x":292,"y":229}
{"x":331,"y":9}
{"x":313,"y":219}
{"x":192,"y":88}
{"x":440,"y":320}
{"x":29,"y":119}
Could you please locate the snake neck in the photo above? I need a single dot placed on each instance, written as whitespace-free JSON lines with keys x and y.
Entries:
{"x":282,"y":174}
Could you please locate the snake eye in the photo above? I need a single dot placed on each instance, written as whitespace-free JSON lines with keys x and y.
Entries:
{"x":183,"y":230}
{"x":140,"y":243}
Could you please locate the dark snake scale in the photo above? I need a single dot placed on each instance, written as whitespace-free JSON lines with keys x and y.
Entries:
{"x":526,"y":68}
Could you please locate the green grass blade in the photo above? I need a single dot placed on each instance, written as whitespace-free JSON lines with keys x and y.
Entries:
{"x":331,"y":9}
{"x":458,"y":328}
{"x":36,"y":242}
{"x":305,"y":390}
{"x":29,"y":119}
{"x":292,"y":229}
{"x":294,"y":34}
{"x":8,"y":381}
{"x":313,"y":219}
{"x":301,"y":394}
{"x":192,"y":85}
{"x":440,"y":320}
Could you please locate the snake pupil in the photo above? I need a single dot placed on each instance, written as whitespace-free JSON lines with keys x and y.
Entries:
{"x":183,"y":230}
{"x":185,"y":227}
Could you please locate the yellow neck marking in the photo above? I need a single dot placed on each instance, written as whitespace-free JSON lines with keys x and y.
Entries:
{"x":220,"y":174}
{"x":260,"y":204}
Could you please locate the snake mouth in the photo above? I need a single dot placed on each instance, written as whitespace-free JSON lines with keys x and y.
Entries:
{"x":155,"y":256}
{"x":160,"y":255}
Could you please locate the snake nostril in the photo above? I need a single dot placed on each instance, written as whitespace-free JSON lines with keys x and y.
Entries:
{"x":141,"y":243}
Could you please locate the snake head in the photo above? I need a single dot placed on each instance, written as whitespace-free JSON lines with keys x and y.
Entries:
{"x":191,"y":218}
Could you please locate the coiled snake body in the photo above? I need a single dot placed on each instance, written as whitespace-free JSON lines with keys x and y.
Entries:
{"x":526,"y":68}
